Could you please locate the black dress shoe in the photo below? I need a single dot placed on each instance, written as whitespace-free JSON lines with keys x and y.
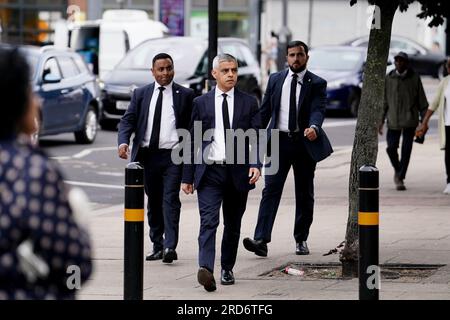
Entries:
{"x":227,"y":277}
{"x":259,"y":247}
{"x":155,"y":255}
{"x":206,"y":279}
{"x":169,"y":255}
{"x":302,"y":248}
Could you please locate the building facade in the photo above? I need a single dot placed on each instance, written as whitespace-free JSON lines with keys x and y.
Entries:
{"x":29,"y":22}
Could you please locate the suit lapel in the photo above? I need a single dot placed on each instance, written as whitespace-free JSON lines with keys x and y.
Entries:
{"x":305,"y":87}
{"x":278,"y":90}
{"x":176,"y":93}
{"x":237,"y":108}
{"x":146,"y":105}
{"x":211,"y":107}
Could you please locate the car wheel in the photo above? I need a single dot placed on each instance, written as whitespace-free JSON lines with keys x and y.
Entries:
{"x":89,"y":132}
{"x":353,"y":103}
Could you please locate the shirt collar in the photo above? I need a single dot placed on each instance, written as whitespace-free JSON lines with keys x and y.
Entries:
{"x":220,"y":92}
{"x":300,"y":75}
{"x":169,"y":86}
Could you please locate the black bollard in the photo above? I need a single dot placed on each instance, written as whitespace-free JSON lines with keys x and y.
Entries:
{"x":134,"y":232}
{"x":368,"y":222}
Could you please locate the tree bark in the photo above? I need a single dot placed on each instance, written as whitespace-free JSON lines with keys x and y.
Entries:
{"x":365,"y":144}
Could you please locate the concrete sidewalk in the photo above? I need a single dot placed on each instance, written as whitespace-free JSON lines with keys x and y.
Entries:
{"x":414,"y":228}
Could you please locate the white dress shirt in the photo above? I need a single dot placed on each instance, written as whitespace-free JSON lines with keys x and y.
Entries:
{"x":283,"y":116}
{"x":217,"y":151}
{"x":168,"y":137}
{"x":447,"y":105}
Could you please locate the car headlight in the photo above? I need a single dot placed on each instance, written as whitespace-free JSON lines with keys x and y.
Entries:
{"x":101,"y":84}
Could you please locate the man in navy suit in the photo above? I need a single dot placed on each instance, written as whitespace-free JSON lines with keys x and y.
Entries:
{"x":155,"y":113}
{"x":294,"y":104}
{"x":219,"y":177}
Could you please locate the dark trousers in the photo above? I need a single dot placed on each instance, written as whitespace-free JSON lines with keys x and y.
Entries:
{"x":292,"y":152}
{"x":393,"y":141}
{"x":162,"y":181}
{"x":447,"y":152}
{"x":217,"y":189}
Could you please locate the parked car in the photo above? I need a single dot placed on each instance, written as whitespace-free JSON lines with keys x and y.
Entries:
{"x":190,"y":62}
{"x":422,"y":60}
{"x":342,"y":67}
{"x":70,"y":93}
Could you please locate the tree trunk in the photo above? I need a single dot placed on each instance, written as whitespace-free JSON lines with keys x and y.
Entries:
{"x":365,"y":145}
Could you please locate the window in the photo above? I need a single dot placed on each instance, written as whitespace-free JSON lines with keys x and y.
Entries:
{"x":30,"y":22}
{"x":363,"y":43}
{"x":200,"y":4}
{"x":233,"y":49}
{"x":409,"y":48}
{"x":68,"y":67}
{"x":146,"y":5}
{"x":80,"y":64}
{"x":235,"y":3}
{"x":339,"y":60}
{"x":202,"y":67}
{"x":248,"y":56}
{"x":398,"y":45}
{"x":51,"y":67}
{"x":185,"y":61}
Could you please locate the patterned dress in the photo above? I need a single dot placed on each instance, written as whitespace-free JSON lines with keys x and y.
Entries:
{"x":34,"y":208}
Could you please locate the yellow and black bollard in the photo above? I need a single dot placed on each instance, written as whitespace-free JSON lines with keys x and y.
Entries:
{"x":134,"y":232}
{"x":368,"y":222}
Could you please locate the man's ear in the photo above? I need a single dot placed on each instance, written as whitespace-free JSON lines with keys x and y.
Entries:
{"x":214,"y":73}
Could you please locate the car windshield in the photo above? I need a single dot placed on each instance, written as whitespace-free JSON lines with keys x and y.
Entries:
{"x":339,"y":60}
{"x":186,"y":55}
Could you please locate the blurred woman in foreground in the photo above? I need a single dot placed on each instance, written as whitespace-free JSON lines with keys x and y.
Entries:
{"x":44,"y":252}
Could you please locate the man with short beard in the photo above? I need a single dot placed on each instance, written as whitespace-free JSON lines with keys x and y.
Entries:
{"x":294,"y":104}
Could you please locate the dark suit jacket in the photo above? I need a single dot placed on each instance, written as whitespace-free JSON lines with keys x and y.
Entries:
{"x":312,"y":103}
{"x":135,"y":119}
{"x":245,"y":116}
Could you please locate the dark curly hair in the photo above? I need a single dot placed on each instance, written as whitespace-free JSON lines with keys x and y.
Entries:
{"x":14,"y":90}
